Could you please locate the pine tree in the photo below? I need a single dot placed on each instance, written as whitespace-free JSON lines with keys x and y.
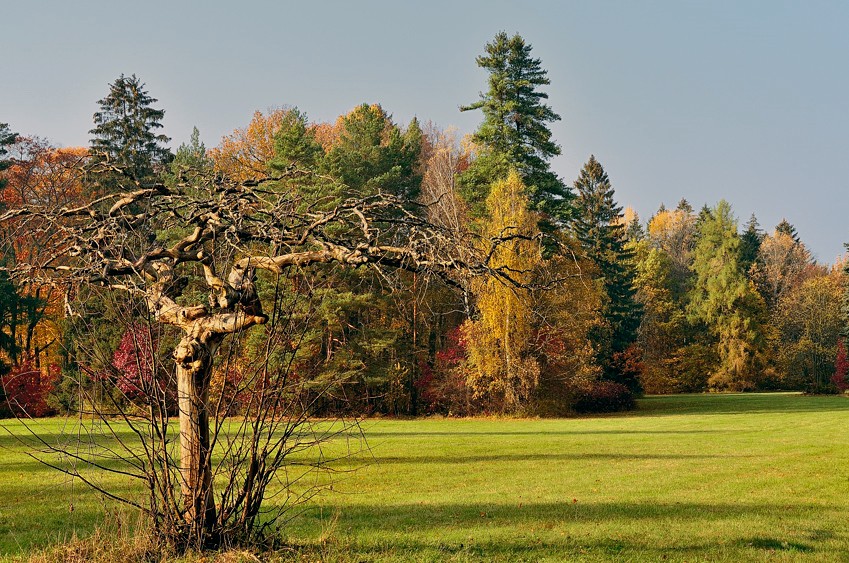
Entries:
{"x":125,"y":138}
{"x":372,"y":154}
{"x":515,"y":133}
{"x":750,"y":243}
{"x":191,"y":158}
{"x":6,"y":138}
{"x":784,"y":227}
{"x":599,"y":228}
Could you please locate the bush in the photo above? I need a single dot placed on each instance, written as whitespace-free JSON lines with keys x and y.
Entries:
{"x":603,"y":396}
{"x":26,"y":388}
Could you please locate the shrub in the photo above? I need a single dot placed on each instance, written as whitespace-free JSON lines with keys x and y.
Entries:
{"x":442,"y":385}
{"x":26,"y":387}
{"x":603,"y":396}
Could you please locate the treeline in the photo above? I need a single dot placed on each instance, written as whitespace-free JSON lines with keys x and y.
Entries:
{"x":602,"y":306}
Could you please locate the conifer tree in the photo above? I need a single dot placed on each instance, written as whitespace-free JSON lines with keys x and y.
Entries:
{"x":191,"y":158}
{"x":750,"y":243}
{"x":515,"y":133}
{"x":6,"y":138}
{"x":599,"y":228}
{"x":372,"y":153}
{"x":124,"y":137}
{"x":784,"y":227}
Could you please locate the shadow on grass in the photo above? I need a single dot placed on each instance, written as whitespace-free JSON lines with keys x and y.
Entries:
{"x":455,"y":458}
{"x":507,"y":433}
{"x":534,"y":528}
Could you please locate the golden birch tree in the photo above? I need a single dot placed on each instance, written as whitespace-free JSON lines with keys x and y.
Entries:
{"x":504,"y":371}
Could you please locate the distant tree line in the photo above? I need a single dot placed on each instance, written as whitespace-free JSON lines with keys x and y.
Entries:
{"x":604,"y":306}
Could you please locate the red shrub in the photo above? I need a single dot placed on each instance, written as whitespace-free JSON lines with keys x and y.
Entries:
{"x":139,"y":377}
{"x":26,"y":387}
{"x":442,"y":386}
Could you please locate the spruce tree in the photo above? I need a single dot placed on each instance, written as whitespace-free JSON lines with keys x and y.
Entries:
{"x":786,"y":228}
{"x":750,"y":243}
{"x":515,"y":133}
{"x":599,"y":227}
{"x":125,"y":137}
{"x":7,"y":137}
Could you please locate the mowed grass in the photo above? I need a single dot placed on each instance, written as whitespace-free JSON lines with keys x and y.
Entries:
{"x":686,"y":478}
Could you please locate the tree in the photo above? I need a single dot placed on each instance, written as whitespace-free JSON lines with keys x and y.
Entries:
{"x":784,"y":227}
{"x":782,"y":264}
{"x":504,"y":373}
{"x":39,"y":174}
{"x":6,"y":138}
{"x":808,"y":321}
{"x":224,"y":238}
{"x":674,"y":232}
{"x":663,"y":327}
{"x":245,"y":153}
{"x":750,"y":244}
{"x":126,"y":150}
{"x":515,"y":133}
{"x":723,"y":298}
{"x":599,"y":227}
{"x":372,"y":154}
{"x":191,"y":156}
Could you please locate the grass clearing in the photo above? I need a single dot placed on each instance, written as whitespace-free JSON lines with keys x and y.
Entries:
{"x":746,"y":477}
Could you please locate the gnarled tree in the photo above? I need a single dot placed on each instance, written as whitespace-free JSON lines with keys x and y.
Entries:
{"x":163,"y":246}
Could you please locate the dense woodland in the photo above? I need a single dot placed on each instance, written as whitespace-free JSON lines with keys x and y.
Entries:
{"x":601,"y":305}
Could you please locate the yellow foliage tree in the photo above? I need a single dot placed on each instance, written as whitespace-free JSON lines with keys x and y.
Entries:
{"x":503,"y":371}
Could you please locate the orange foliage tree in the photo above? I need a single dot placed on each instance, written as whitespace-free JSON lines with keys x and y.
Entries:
{"x":40,"y":174}
{"x":244,"y":154}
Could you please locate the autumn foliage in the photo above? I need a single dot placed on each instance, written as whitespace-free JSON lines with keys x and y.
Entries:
{"x":27,"y":387}
{"x":841,"y":368}
{"x":136,"y":371}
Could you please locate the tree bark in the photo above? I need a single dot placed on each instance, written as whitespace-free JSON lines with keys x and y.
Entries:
{"x":194,"y":369}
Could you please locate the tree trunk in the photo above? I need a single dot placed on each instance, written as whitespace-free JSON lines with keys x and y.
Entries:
{"x":193,"y":377}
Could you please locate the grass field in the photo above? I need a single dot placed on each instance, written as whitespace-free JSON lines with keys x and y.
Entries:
{"x":686,"y":478}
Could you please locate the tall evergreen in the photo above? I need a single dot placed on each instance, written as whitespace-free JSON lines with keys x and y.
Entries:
{"x":786,"y":228}
{"x":124,"y":137}
{"x":515,"y":133}
{"x":599,"y":227}
{"x":750,"y":243}
{"x":7,"y":137}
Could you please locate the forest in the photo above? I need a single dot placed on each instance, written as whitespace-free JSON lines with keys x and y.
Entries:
{"x":601,"y":305}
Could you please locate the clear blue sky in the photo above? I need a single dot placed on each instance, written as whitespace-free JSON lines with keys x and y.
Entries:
{"x":742,"y":100}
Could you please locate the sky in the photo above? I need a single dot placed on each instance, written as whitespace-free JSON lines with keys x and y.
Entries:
{"x":741,"y":100}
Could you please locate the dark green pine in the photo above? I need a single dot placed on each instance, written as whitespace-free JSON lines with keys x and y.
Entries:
{"x":7,"y":137}
{"x":515,"y":131}
{"x":750,"y":244}
{"x":599,"y":227}
{"x":125,"y":138}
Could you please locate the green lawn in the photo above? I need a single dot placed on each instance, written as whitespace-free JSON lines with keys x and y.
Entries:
{"x":686,"y":478}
